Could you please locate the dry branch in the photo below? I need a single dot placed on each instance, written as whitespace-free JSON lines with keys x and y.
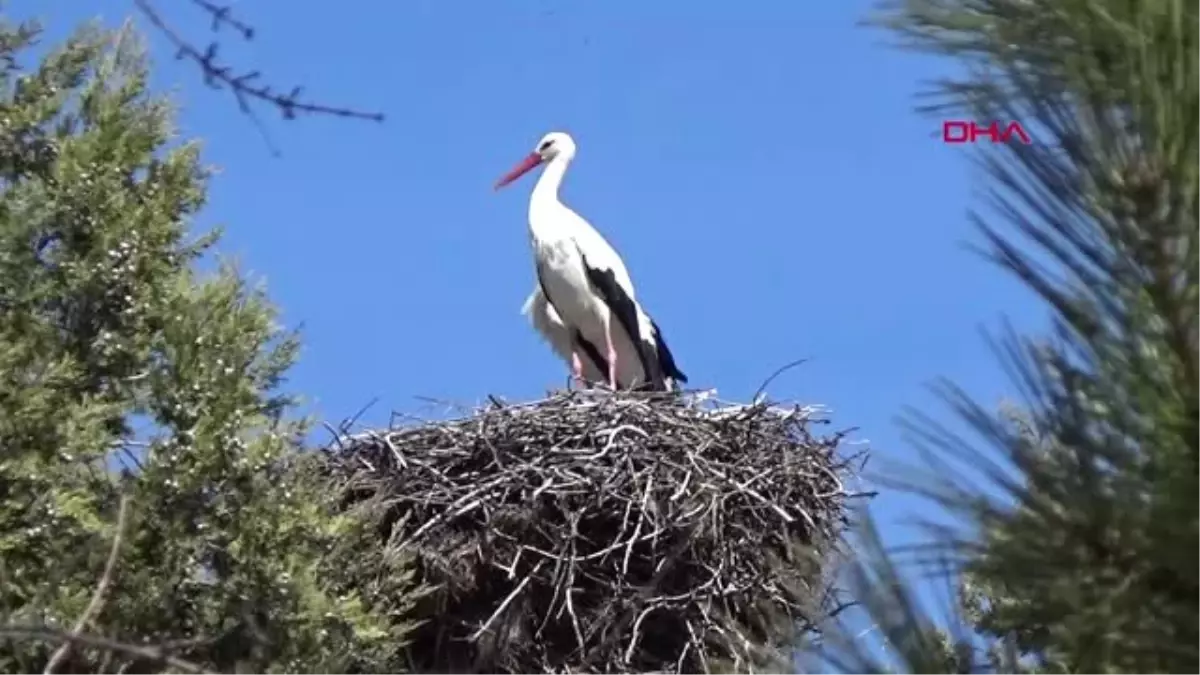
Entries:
{"x":152,"y":654}
{"x":70,"y":641}
{"x":605,"y":533}
{"x":99,"y":596}
{"x":246,"y":86}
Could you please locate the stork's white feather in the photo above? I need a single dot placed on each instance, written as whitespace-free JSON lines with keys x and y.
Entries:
{"x":550,"y":326}
{"x":698,"y":397}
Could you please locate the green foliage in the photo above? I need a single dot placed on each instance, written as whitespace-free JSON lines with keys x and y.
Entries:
{"x":1079,"y":546}
{"x":124,"y":373}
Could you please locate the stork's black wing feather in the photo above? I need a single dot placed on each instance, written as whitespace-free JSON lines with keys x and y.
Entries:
{"x":665,"y":359}
{"x":590,"y":351}
{"x":623,"y":309}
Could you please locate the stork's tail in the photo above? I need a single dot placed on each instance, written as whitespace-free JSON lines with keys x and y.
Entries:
{"x":672,"y":375}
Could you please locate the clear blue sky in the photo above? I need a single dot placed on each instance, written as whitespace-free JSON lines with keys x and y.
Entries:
{"x":758,"y":165}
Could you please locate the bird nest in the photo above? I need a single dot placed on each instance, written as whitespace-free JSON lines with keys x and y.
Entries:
{"x":605,"y":533}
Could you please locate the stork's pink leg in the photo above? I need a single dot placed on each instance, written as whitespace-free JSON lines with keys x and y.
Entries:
{"x":577,"y":368}
{"x":612,"y":356}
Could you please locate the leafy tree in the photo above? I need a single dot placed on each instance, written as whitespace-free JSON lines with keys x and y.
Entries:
{"x":150,"y":513}
{"x":1079,"y":545}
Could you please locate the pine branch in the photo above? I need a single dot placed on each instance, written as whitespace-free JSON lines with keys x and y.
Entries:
{"x":1079,"y":533}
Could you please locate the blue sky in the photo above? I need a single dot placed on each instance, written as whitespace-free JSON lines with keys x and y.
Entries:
{"x":759,"y":166}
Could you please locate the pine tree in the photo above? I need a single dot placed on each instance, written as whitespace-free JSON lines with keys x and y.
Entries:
{"x":1079,"y":547}
{"x":151,"y":512}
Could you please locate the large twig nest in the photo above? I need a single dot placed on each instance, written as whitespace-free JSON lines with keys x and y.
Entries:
{"x":605,"y":533}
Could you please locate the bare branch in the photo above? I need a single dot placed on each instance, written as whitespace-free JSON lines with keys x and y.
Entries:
{"x":153,"y":654}
{"x":222,"y":16}
{"x":246,"y":86}
{"x":100,"y":595}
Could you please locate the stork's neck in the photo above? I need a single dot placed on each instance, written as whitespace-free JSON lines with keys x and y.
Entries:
{"x":545,"y":193}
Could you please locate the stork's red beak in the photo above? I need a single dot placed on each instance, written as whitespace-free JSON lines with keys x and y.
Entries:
{"x":520,"y":169}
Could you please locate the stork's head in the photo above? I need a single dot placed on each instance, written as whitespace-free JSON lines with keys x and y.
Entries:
{"x":554,"y":145}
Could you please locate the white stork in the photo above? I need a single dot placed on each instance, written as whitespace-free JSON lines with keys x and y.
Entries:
{"x":585,"y":283}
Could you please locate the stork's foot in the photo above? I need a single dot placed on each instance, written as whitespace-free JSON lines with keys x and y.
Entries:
{"x":586,"y":386}
{"x":577,"y":373}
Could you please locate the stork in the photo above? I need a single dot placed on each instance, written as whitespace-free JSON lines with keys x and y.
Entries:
{"x":585,"y":284}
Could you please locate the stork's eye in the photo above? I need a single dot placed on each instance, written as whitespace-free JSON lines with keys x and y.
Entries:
{"x":545,"y":146}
